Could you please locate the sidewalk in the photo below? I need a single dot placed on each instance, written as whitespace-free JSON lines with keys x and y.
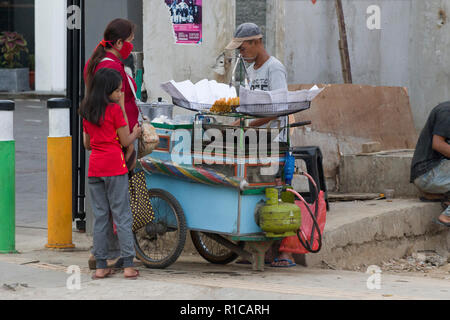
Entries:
{"x":39,"y":273}
{"x":357,"y":235}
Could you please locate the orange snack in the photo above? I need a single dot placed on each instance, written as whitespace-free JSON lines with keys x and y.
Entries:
{"x":224,"y":105}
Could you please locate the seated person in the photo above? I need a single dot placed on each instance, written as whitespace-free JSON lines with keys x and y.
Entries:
{"x":430,"y":168}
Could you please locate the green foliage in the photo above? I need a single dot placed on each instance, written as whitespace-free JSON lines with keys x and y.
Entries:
{"x":11,"y":45}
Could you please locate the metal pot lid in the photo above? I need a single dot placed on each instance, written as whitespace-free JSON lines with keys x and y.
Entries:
{"x":160,"y":103}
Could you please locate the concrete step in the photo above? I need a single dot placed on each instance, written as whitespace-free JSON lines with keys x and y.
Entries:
{"x":363,"y":233}
{"x":375,"y":172}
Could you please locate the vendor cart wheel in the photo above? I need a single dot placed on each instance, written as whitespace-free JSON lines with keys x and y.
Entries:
{"x":160,"y":243}
{"x":212,"y":251}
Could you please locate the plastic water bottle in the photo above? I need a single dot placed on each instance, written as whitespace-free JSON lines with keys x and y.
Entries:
{"x":289,"y":168}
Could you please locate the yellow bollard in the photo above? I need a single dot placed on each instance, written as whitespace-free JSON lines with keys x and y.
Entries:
{"x":59,"y":175}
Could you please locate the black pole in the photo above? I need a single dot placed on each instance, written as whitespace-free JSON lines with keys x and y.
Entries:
{"x":76,"y":67}
{"x":75,"y":90}
{"x":81,"y":225}
{"x":73,"y":116}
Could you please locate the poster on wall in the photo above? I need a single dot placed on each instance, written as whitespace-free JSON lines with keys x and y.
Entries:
{"x":186,"y":18}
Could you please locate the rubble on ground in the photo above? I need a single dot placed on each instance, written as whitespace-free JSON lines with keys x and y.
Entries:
{"x":425,"y":262}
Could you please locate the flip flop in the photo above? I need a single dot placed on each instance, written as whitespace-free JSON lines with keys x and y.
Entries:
{"x":132,"y":277}
{"x":291,"y":264}
{"x":441,"y":223}
{"x":423,"y":199}
{"x":95,"y":277}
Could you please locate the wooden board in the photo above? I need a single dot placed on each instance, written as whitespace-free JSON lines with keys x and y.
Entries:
{"x":345,"y":116}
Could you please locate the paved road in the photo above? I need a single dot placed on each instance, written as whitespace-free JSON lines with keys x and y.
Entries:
{"x":44,"y":274}
{"x":30,"y":132}
{"x":43,"y":271}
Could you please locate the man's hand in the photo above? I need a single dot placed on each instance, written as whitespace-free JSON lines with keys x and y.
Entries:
{"x":255,"y":123}
{"x":261,"y":122}
{"x":440,"y":145}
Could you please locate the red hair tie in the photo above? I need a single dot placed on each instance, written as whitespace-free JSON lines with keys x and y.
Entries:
{"x":104,"y":43}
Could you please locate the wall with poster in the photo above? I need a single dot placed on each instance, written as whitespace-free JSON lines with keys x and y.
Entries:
{"x":186,"y":16}
{"x":168,"y":57}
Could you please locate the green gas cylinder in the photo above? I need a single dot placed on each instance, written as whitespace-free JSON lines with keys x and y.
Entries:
{"x":277,"y":218}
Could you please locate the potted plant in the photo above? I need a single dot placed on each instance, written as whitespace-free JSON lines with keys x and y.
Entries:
{"x":12,"y":76}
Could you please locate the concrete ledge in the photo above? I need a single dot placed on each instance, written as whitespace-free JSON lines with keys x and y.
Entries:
{"x":366,"y":173}
{"x":363,"y":233}
{"x":32,"y":95}
{"x":366,"y":233}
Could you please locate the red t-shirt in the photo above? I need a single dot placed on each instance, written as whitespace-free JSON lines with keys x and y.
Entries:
{"x":107,"y":158}
{"x":130,"y":101}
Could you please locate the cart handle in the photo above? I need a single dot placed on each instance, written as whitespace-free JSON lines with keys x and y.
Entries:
{"x":300,"y":124}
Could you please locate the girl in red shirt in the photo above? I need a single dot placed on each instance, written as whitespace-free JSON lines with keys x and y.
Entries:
{"x":105,"y":133}
{"x":116,"y":45}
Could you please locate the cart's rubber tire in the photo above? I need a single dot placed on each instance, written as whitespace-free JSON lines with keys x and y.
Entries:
{"x":180,"y":240}
{"x":202,"y":248}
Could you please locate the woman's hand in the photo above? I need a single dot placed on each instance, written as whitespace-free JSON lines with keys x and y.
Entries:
{"x":137,"y":131}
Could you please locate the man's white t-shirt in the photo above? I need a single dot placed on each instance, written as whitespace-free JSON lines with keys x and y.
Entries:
{"x":270,"y":76}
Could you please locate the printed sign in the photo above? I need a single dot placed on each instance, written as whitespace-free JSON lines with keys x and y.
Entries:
{"x":186,"y":18}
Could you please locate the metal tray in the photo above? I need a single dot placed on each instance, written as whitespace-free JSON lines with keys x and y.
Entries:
{"x":256,"y":110}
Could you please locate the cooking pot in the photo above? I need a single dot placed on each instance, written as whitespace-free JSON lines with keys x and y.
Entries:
{"x":157,"y":109}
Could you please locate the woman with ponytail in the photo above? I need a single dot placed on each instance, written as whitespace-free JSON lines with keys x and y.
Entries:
{"x":116,"y":45}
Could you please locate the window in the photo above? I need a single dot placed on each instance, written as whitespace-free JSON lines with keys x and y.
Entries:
{"x":18,"y":16}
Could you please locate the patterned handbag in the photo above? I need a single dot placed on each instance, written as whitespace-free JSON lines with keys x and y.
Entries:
{"x":140,"y":201}
{"x":149,"y":139}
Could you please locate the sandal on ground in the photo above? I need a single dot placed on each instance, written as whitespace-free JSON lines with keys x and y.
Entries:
{"x":95,"y":277}
{"x":133,"y":277}
{"x":424,"y":199}
{"x":289,"y":261}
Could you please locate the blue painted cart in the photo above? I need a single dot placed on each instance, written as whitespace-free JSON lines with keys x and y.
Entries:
{"x":214,"y":190}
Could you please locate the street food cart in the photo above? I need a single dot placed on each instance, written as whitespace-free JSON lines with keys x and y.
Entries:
{"x":213,"y":189}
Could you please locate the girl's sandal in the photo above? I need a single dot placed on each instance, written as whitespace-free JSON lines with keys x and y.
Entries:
{"x":95,"y":277}
{"x":132,"y":277}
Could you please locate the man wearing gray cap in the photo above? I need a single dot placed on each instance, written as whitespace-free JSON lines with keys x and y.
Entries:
{"x":265,"y":72}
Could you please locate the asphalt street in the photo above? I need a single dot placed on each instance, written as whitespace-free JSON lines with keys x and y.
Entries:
{"x":30,"y":133}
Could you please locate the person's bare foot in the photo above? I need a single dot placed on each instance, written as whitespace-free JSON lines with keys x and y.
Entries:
{"x":101,"y":273}
{"x":285,"y":259}
{"x":444,"y":218}
{"x":130,"y":273}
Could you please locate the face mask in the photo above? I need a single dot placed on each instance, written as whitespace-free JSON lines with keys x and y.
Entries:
{"x":126,"y":50}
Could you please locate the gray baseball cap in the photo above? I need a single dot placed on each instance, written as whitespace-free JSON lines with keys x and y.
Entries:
{"x":246,"y":31}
